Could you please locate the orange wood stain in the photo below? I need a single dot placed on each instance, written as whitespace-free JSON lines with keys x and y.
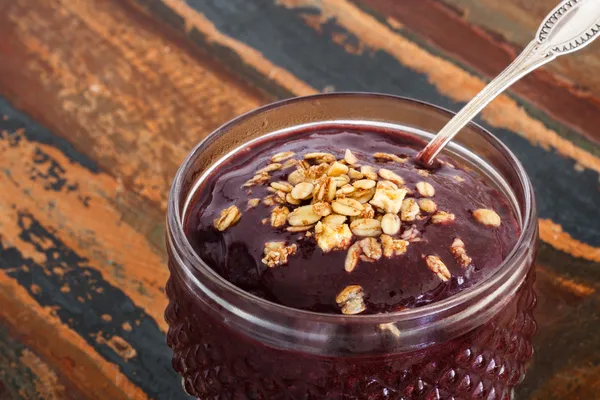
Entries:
{"x":123,"y":256}
{"x":62,"y":348}
{"x":553,"y":234}
{"x":571,"y":382}
{"x":46,"y":384}
{"x":577,"y":288}
{"x":134,"y":101}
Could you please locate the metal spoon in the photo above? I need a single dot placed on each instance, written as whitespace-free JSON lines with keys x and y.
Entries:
{"x":572,"y":25}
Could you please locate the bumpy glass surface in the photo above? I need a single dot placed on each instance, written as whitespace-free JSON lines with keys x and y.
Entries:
{"x":229,"y":345}
{"x":218,"y":363}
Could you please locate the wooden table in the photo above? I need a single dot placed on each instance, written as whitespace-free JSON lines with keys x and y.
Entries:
{"x":100,"y":100}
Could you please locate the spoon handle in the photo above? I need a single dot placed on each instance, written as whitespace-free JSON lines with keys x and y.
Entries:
{"x":572,"y":25}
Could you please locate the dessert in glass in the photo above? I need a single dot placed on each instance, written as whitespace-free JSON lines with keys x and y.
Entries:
{"x":311,"y":257}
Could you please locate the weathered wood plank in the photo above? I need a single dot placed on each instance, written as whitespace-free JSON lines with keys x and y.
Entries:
{"x":81,"y":254}
{"x":23,"y":375}
{"x":515,"y":21}
{"x":134,"y":96}
{"x":488,"y":55}
{"x":46,"y":252}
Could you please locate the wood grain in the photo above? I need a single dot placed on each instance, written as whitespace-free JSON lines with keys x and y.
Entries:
{"x":101,"y":100}
{"x":23,"y":375}
{"x":514,"y":23}
{"x":488,"y":54}
{"x":131,"y":91}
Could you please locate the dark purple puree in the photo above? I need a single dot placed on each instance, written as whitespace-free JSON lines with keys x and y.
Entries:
{"x":311,"y":279}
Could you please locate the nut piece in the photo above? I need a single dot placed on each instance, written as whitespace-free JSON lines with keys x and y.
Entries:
{"x":364,"y":184}
{"x":289,"y":163}
{"x":253,"y":203}
{"x":487,"y":217}
{"x":354,"y":174}
{"x":257,"y":179}
{"x":280,"y":196}
{"x":322,"y":209}
{"x":276,"y":253}
{"x":350,"y":158}
{"x":363,"y":196}
{"x":228,"y":217}
{"x":393,"y":246}
{"x":457,"y":248}
{"x":371,"y":248}
{"x":317,"y":171}
{"x":387,"y":197}
{"x":412,"y":234}
{"x":427,"y":205}
{"x":366,"y":227}
{"x":459,"y":178}
{"x":269,"y":200}
{"x":283,"y":186}
{"x":368,"y":172}
{"x":320,"y":157}
{"x":409,"y":210}
{"x":333,"y":237}
{"x":435,"y":264}
{"x":334,"y":219}
{"x":279,"y":216}
{"x":325,"y":190}
{"x":337,"y":169}
{"x":391,"y":176}
{"x":351,"y":300}
{"x":297,"y":176}
{"x":390,"y":224}
{"x":279,"y":157}
{"x":423,"y":172}
{"x":270,"y":168}
{"x":302,"y":191}
{"x":341,"y":180}
{"x":425,"y":189}
{"x":389,"y":157}
{"x":302,"y":216}
{"x":349,"y":207}
{"x":352,"y":256}
{"x":443,"y":217}
{"x":345,"y":190}
{"x":290,"y":199}
{"x":367,"y":212}
{"x":299,"y":228}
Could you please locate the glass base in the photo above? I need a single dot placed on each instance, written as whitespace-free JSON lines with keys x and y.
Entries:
{"x":217,"y":362}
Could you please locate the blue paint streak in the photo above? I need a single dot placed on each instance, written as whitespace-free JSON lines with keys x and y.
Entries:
{"x":35,"y":132}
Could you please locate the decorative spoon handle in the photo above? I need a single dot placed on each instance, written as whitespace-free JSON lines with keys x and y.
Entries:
{"x":572,"y":25}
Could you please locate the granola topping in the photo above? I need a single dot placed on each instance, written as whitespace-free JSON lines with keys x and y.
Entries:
{"x":351,"y":300}
{"x":387,"y":230}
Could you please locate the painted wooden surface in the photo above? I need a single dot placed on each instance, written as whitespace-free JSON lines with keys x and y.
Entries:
{"x":100,"y":100}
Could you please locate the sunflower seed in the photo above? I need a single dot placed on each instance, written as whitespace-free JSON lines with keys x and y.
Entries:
{"x":279,"y":157}
{"x":228,"y":217}
{"x":347,"y":206}
{"x":390,"y":224}
{"x":302,"y":191}
{"x":425,"y":189}
{"x":366,"y":227}
{"x":302,"y":216}
{"x":487,"y":217}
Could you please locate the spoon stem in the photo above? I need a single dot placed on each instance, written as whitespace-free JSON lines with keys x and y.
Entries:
{"x":533,"y":56}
